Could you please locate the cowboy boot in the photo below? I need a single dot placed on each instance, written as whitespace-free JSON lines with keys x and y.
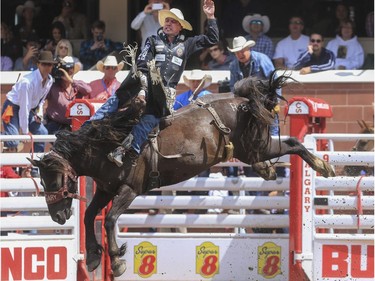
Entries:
{"x":117,"y":154}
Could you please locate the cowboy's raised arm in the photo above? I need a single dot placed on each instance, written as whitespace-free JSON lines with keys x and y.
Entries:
{"x":209,"y":9}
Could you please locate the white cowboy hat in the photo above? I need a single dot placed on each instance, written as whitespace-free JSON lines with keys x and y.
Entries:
{"x":109,"y":61}
{"x":28,"y":4}
{"x":240,"y":43}
{"x":68,"y":60}
{"x":197,"y":74}
{"x":174,"y":14}
{"x":264,"y":19}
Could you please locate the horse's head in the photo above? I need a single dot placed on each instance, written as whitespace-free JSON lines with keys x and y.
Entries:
{"x":362,"y":144}
{"x":60,"y":185}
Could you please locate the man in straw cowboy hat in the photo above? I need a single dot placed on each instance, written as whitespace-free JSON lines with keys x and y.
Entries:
{"x":105,"y":87}
{"x":63,"y":92}
{"x":169,"y":50}
{"x":23,"y":109}
{"x":250,"y":63}
{"x":197,"y":82}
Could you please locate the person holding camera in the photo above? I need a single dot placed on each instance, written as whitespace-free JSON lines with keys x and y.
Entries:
{"x":62,"y":93}
{"x":30,"y":60}
{"x":147,"y":20}
{"x":22,"y":111}
{"x":98,"y":47}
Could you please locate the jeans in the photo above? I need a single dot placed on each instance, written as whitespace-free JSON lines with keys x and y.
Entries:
{"x":109,"y":107}
{"x":274,"y":129}
{"x":12,"y":128}
{"x":142,"y":129}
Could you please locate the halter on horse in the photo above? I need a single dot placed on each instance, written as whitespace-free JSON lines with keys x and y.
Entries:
{"x":194,"y":133}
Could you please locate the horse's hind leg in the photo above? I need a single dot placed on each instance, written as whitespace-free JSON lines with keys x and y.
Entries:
{"x":120,"y":203}
{"x":295,"y":147}
{"x":93,"y":249}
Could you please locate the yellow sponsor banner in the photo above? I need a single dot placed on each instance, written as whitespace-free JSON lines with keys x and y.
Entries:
{"x":207,"y":259}
{"x":269,"y":260}
{"x":145,"y":259}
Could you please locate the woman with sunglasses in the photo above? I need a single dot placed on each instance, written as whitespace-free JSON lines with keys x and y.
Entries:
{"x":316,"y":57}
{"x":64,"y":48}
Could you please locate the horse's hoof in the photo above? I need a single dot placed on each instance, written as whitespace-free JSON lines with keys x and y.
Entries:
{"x":118,"y":268}
{"x":94,"y":258}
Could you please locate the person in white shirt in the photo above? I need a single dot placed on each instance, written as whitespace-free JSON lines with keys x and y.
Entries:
{"x":22,"y":111}
{"x":147,"y":20}
{"x":289,"y":49}
{"x":348,"y":51}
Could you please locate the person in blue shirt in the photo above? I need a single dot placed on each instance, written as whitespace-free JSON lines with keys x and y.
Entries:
{"x":197,"y":82}
{"x":249,"y":63}
{"x":316,"y":58}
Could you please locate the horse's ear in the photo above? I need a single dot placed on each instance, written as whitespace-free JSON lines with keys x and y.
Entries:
{"x":35,"y":163}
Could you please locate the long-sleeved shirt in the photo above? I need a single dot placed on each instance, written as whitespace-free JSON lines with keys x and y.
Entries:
{"x":90,"y":57}
{"x":28,"y":94}
{"x":147,"y":23}
{"x":58,"y":100}
{"x":259,"y":66}
{"x":348,"y":53}
{"x":325,"y":61}
{"x":263,"y":44}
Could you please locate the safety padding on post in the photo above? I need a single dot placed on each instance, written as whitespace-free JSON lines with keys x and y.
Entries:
{"x":80,"y":110}
{"x":312,"y":107}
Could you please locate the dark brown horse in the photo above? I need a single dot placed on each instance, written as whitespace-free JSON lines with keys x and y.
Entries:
{"x":199,"y":136}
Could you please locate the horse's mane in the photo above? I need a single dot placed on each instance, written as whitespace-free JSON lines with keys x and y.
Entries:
{"x":263,"y":97}
{"x":93,"y":135}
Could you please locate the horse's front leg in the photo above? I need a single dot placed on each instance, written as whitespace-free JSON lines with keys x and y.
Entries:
{"x":293,"y":146}
{"x":121,"y":202}
{"x":93,"y":249}
{"x":265,"y":170}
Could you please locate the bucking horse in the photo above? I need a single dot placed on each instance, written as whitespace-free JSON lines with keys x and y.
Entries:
{"x":198,"y":136}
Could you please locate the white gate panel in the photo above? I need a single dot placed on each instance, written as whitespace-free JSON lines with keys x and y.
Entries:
{"x":34,"y":260}
{"x":238,"y":258}
{"x":344,"y":260}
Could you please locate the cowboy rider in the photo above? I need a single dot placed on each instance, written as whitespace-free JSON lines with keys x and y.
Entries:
{"x":170,"y":51}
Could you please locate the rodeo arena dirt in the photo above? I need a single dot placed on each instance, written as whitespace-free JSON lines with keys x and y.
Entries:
{"x":301,"y":226}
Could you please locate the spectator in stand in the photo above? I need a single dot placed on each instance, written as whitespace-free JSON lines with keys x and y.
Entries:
{"x":221,"y":59}
{"x":370,"y":24}
{"x":197,"y":82}
{"x":75,"y":23}
{"x":57,"y":33}
{"x":329,"y":27}
{"x":10,"y":45}
{"x":346,"y":48}
{"x":105,"y":87}
{"x":29,"y":61}
{"x":289,"y":49}
{"x":64,"y":48}
{"x":147,"y":20}
{"x":28,"y":25}
{"x":6,"y":62}
{"x":316,"y":57}
{"x":249,"y":63}
{"x":257,"y":26}
{"x":98,"y":47}
{"x":62,"y":93}
{"x":22,"y":111}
